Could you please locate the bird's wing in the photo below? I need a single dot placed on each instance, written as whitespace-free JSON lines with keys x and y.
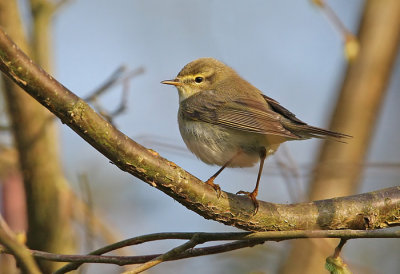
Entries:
{"x":240,"y":113}
{"x":295,"y":125}
{"x":281,"y":110}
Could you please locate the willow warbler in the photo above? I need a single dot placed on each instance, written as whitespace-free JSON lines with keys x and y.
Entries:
{"x":226,"y":121}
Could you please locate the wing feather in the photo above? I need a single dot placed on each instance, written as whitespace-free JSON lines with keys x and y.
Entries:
{"x":240,"y":113}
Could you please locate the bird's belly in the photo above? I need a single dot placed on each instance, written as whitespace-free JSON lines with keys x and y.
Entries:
{"x":217,"y":145}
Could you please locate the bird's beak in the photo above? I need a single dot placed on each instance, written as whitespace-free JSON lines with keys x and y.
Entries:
{"x":174,"y":82}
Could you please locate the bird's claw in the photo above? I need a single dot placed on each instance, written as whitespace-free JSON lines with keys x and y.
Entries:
{"x":216,"y":187}
{"x":252,"y":196}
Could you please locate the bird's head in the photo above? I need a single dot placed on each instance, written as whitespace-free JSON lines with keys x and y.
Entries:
{"x":201,"y":75}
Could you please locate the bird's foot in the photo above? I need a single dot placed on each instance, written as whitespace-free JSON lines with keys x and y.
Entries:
{"x":216,"y":187}
{"x":252,"y":196}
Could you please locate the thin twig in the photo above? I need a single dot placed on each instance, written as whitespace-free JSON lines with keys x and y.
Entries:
{"x":78,"y":260}
{"x":335,"y":264}
{"x":244,"y":239}
{"x":117,"y":77}
{"x":334,"y":19}
{"x":338,"y":249}
{"x":124,"y":99}
{"x":352,"y":46}
{"x":112,"y":80}
{"x":14,"y":247}
{"x":168,"y":255}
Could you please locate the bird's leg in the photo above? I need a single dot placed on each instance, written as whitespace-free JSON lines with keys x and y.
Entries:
{"x":252,"y":195}
{"x":210,"y":181}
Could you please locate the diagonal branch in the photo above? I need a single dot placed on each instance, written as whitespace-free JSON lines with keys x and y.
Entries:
{"x":168,"y":255}
{"x":364,"y":211}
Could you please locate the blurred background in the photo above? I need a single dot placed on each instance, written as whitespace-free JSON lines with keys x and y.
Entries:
{"x":287,"y":49}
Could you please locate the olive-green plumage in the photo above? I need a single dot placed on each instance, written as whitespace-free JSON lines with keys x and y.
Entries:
{"x":226,"y":121}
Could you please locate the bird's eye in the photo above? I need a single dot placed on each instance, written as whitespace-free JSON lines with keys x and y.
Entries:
{"x":199,"y":79}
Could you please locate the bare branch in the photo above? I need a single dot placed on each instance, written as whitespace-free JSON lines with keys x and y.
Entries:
{"x":114,"y":77}
{"x":352,"y":45}
{"x":168,"y":255}
{"x":334,"y":264}
{"x":78,"y":260}
{"x":241,"y":240}
{"x":364,"y":211}
{"x":338,"y":249}
{"x":117,"y":77}
{"x":13,"y":246}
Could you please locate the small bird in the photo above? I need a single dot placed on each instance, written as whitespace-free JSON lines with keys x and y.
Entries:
{"x":226,"y":121}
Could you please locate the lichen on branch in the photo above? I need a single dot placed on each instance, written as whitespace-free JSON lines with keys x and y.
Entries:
{"x":364,"y":211}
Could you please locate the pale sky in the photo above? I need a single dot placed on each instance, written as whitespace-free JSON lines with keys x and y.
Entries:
{"x":286,"y":48}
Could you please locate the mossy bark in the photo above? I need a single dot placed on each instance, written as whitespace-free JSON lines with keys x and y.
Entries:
{"x":365,"y":211}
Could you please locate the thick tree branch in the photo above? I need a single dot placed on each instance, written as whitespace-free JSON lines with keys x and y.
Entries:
{"x":370,"y":210}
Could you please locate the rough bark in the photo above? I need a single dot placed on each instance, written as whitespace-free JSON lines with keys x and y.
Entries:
{"x":339,"y":167}
{"x":371,"y":210}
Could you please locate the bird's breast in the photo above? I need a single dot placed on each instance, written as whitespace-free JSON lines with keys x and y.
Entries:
{"x":216,"y":145}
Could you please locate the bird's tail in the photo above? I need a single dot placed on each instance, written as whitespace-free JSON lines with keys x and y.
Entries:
{"x":305,"y":131}
{"x":301,"y":129}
